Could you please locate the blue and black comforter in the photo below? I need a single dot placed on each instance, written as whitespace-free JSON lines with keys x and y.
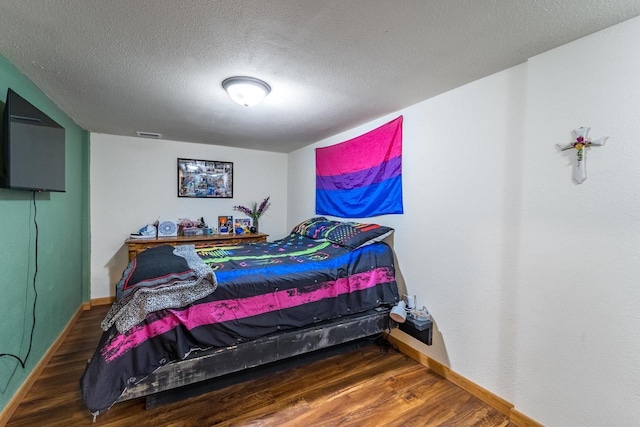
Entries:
{"x":262,"y":288}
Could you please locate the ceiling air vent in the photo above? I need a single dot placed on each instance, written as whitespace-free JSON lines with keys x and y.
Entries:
{"x":149,"y":134}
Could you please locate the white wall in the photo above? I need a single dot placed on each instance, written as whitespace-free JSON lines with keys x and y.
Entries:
{"x":579,"y":264}
{"x":134,"y":181}
{"x":532,"y":280}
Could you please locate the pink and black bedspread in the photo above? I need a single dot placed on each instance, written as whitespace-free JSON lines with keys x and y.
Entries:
{"x":262,"y":288}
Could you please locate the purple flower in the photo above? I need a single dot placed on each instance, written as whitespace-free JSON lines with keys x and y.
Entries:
{"x":255,"y":211}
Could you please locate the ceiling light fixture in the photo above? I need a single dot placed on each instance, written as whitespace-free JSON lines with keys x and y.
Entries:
{"x":247,"y":91}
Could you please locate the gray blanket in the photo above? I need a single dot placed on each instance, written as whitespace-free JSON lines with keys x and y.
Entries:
{"x":149,"y":292}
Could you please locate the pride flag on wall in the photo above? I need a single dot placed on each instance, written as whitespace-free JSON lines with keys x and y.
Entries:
{"x":361,"y":177}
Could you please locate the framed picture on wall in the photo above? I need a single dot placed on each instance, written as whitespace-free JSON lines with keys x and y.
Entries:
{"x":205,"y":178}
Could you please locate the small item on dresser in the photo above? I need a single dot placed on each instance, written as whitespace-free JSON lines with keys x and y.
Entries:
{"x":242,"y":225}
{"x":149,"y":231}
{"x":225,"y":224}
{"x":184,"y":227}
{"x":195,"y":231}
{"x":184,"y":223}
{"x":190,"y":231}
{"x":167,"y":229}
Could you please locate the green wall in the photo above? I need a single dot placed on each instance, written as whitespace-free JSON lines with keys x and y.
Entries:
{"x":63,"y":248}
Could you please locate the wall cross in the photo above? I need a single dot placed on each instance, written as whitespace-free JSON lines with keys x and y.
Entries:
{"x":580,"y":142}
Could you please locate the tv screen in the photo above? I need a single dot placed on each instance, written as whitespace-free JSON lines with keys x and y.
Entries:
{"x":33,"y":148}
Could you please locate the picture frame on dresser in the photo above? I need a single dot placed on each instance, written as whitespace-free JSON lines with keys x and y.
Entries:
{"x":225,"y":224}
{"x":205,"y":179}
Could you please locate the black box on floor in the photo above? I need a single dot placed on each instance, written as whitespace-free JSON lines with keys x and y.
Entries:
{"x":421,"y":330}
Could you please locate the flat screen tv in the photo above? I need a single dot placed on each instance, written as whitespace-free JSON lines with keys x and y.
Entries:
{"x":32,"y":149}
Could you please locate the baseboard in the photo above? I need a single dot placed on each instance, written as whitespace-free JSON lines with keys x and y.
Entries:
{"x":11,"y":407}
{"x":521,"y":420}
{"x":102,"y":301}
{"x":404,"y":344}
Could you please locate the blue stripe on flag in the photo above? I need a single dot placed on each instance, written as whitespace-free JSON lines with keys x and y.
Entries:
{"x":376,"y":199}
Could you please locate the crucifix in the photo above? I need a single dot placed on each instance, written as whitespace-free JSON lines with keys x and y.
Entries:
{"x":580,"y":142}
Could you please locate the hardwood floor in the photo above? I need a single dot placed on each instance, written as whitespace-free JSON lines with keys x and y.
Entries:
{"x":367,"y":387}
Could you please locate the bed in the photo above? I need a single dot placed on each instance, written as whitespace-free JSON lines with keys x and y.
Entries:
{"x":184,"y":315}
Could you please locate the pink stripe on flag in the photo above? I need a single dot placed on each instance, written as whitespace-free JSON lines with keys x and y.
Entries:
{"x":225,"y":310}
{"x":362,"y":152}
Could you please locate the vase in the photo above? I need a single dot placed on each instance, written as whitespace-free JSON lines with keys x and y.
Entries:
{"x":255,"y":228}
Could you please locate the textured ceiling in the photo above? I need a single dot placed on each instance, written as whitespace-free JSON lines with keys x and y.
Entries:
{"x":123,"y":66}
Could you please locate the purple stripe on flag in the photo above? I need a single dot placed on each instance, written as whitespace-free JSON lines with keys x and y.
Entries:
{"x":226,"y":310}
{"x":385,"y":170}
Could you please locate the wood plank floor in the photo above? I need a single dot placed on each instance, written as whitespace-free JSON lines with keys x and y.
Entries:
{"x":367,"y":387}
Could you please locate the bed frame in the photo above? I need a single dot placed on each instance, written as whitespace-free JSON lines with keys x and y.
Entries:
{"x":220,"y":367}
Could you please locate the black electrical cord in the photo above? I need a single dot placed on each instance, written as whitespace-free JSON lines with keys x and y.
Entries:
{"x":35,"y":291}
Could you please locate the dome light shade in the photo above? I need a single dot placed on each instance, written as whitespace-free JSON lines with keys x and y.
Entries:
{"x":399,"y":312}
{"x":247,"y":91}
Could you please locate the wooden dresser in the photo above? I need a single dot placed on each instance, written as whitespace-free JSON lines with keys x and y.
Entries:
{"x":135,"y":246}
